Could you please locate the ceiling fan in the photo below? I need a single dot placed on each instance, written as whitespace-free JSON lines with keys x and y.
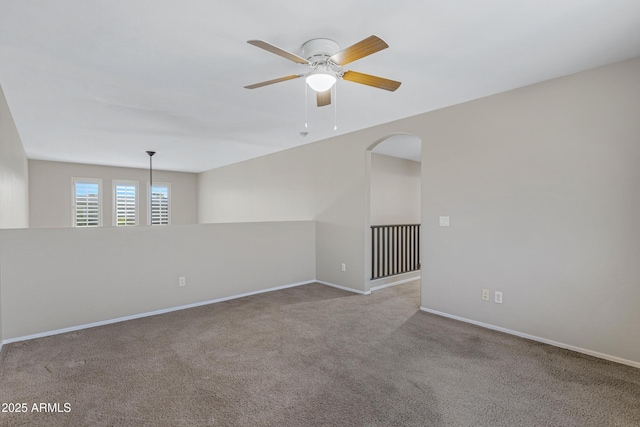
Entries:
{"x":326,"y":60}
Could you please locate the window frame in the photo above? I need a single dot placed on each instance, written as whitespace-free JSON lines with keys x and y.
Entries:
{"x":123,"y":182}
{"x":159,"y":184}
{"x":74,"y":182}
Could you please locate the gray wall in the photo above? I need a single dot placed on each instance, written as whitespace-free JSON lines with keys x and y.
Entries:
{"x":324,"y":181}
{"x":540,"y":184}
{"x":14,"y":173}
{"x":133,"y":270}
{"x":308,"y":182}
{"x":395,"y":190}
{"x":14,"y":179}
{"x":51,"y":192}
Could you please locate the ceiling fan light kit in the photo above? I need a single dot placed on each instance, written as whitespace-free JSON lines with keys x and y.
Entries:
{"x":326,"y":60}
{"x":320,"y":80}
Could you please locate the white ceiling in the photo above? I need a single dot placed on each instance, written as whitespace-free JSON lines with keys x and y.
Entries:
{"x":102,"y":82}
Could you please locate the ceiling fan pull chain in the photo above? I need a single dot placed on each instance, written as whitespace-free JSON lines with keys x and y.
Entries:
{"x":306,"y":107}
{"x":335,"y":107}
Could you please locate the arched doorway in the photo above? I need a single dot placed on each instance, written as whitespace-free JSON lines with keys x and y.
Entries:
{"x":392,"y":222}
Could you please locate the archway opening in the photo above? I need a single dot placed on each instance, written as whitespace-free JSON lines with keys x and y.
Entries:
{"x":392,"y":244}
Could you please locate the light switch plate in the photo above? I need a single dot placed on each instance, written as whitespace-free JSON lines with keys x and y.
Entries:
{"x":498,"y":297}
{"x":444,"y":221}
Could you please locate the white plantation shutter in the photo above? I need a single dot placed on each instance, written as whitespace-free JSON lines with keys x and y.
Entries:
{"x":160,"y":204}
{"x":125,"y":203}
{"x":87,"y":198}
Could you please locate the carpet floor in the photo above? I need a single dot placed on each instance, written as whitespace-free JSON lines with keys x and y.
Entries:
{"x":306,"y":356}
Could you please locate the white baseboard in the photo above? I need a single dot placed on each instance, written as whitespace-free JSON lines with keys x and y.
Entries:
{"x":150,"y":313}
{"x":535,"y":338}
{"x":344,"y":288}
{"x":399,"y":282}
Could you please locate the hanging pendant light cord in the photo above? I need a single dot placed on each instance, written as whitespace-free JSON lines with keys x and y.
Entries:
{"x":150,"y":153}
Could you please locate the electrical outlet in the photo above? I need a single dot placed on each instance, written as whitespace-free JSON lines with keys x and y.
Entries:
{"x":344,"y":267}
{"x":182,"y":281}
{"x":498,"y":297}
{"x":485,"y":294}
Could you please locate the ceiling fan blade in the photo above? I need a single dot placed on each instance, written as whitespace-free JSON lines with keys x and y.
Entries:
{"x":323,"y":98}
{"x":281,"y":52}
{"x":371,"y":44}
{"x":270,"y":82}
{"x":369,"y":80}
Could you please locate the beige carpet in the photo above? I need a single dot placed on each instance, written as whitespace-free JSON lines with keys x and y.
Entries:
{"x":311,"y":355}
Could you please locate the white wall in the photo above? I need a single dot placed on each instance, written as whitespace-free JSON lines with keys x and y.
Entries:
{"x":133,"y":270}
{"x":395,"y":190}
{"x":541,"y":187}
{"x":51,"y":192}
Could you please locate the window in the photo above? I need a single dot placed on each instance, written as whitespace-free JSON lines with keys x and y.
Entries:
{"x":87,"y":202}
{"x":160,"y":204}
{"x":125,"y":203}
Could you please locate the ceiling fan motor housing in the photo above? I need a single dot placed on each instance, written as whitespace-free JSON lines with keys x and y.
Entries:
{"x":319,"y":50}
